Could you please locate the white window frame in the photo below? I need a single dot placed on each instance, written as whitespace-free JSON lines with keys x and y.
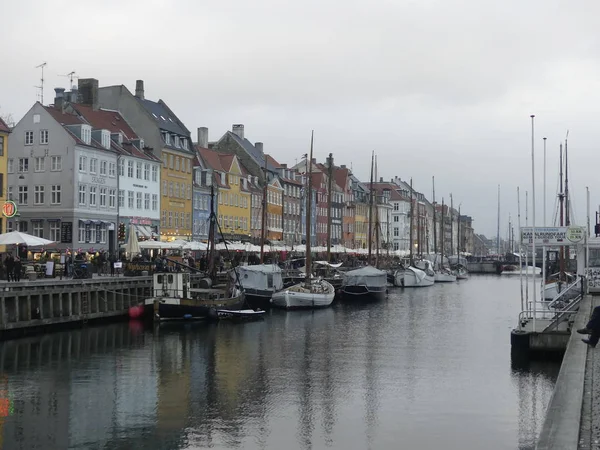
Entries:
{"x":82,"y":163}
{"x":93,"y":192}
{"x":93,"y":165}
{"x":154,"y":202}
{"x":44,"y":136}
{"x":23,"y":197}
{"x":147,"y":201}
{"x":54,"y":231}
{"x":10,"y":168}
{"x":138,"y":170}
{"x":55,"y":194}
{"x":23,"y":165}
{"x":39,"y":164}
{"x":103,"y":197}
{"x":112,"y":198}
{"x":112,"y":169}
{"x":147,"y":172}
{"x":130,"y":199}
{"x":130,"y":169}
{"x":154,"y":173}
{"x":138,"y":200}
{"x":55,"y":163}
{"x":39,"y":193}
{"x":103,"y":165}
{"x":82,"y":193}
{"x":29,"y":138}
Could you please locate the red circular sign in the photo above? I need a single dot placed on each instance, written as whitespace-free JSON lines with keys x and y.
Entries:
{"x":9,"y":209}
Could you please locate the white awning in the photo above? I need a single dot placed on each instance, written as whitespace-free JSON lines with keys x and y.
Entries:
{"x":144,"y":231}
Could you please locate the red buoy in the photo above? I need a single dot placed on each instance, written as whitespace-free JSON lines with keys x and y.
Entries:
{"x":135,"y":312}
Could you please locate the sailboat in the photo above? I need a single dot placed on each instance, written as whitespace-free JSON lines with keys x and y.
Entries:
{"x":460,"y":269}
{"x":173,"y":297}
{"x":413,"y":275}
{"x":367,"y":283}
{"x":312,"y":292}
{"x":442,"y":273}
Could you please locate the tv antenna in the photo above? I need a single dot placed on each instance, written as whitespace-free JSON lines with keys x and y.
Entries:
{"x":41,"y":86}
{"x":71,"y":76}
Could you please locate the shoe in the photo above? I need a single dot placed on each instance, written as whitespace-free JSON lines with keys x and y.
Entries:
{"x":584,"y":331}
{"x":588,"y":343}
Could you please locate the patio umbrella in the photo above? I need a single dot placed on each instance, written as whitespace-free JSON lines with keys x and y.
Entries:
{"x":132,"y":246}
{"x":18,"y":238}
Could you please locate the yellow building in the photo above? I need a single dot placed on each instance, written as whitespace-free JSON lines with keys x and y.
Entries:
{"x":274,"y":210}
{"x":234,"y":198}
{"x":361,"y":225}
{"x":176,"y":195}
{"x":4,"y":132}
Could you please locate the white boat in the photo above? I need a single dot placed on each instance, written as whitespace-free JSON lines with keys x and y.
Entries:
{"x":444,"y":276}
{"x":462,"y":273}
{"x":259,"y":283}
{"x":364,"y":284}
{"x":319,"y":294}
{"x":529,"y":270}
{"x":415,"y":277}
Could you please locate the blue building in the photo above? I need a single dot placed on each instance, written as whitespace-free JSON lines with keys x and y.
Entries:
{"x":202,"y":185}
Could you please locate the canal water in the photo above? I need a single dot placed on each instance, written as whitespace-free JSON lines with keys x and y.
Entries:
{"x":428,"y":368}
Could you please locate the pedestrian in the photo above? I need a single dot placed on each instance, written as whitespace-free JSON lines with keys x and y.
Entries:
{"x":9,"y":263}
{"x":111,"y":261}
{"x":592,"y":328}
{"x":17,"y":269}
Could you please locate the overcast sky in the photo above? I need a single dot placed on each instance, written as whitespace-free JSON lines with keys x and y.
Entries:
{"x":438,"y":88}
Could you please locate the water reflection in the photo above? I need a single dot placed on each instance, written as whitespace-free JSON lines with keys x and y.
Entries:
{"x":425,"y":369}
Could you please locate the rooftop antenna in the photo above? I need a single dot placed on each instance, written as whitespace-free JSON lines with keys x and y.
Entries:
{"x":41,"y":86}
{"x":71,"y":76}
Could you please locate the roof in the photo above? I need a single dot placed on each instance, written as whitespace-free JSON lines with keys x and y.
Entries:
{"x":271,"y":161}
{"x":3,"y":127}
{"x":163,"y":116}
{"x":106,"y":119}
{"x":64,"y":119}
{"x":393,"y":188}
{"x":211,"y":158}
{"x":254,"y":153}
{"x":340,"y":176}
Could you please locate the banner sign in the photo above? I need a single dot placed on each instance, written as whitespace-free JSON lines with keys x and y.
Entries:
{"x":553,"y":236}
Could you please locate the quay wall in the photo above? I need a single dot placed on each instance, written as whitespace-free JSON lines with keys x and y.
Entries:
{"x":483,"y":267}
{"x":65,"y":302}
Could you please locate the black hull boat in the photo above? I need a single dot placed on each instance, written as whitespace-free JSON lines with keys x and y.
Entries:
{"x":366,"y":284}
{"x":364,"y":293}
{"x":189,"y":309}
{"x":257,"y":298}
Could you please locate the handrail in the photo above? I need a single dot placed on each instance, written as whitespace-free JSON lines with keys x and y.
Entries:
{"x":541,"y":311}
{"x":562,"y":294}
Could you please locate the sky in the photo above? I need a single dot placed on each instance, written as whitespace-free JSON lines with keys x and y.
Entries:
{"x":437,"y":88}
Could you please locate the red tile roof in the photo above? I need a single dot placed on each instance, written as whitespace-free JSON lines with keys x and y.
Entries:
{"x":271,"y":160}
{"x":106,"y":120}
{"x":3,"y":127}
{"x":393,"y":188}
{"x":226,"y":160}
{"x":63,"y":118}
{"x":212,"y":161}
{"x":340,"y":176}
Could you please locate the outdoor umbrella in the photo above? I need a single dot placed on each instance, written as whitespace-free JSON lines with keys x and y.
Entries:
{"x":18,"y":238}
{"x":132,"y":246}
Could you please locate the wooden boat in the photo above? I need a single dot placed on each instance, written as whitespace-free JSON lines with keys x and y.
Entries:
{"x":259,"y":283}
{"x":319,"y":294}
{"x":364,"y":284}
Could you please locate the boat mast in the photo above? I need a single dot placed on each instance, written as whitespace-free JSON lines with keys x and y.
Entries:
{"x":211,"y":235}
{"x":308,"y":212}
{"x":329,"y":197}
{"x":451,"y":225}
{"x":561,"y":198}
{"x":412,"y":214}
{"x":567,"y":203}
{"x":263,"y":230}
{"x":371,"y":209}
{"x":498,"y":230}
{"x":443,"y":235}
{"x":434,"y":221}
{"x":458,"y":239}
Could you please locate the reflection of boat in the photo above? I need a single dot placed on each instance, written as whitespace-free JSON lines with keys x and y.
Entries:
{"x":173,"y":299}
{"x":319,"y":294}
{"x":239,"y":314}
{"x":259,"y":283}
{"x":364,"y":284}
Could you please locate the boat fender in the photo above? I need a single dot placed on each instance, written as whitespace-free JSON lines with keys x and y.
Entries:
{"x":205,"y":283}
{"x":187,"y":316}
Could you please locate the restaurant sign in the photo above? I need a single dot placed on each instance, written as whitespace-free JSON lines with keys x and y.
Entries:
{"x":553,"y":236}
{"x":9,"y":209}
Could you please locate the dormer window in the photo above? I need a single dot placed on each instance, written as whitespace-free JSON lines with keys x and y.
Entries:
{"x":175,"y":140}
{"x":184,"y":143}
{"x":142,"y":144}
{"x":222,"y":177}
{"x":86,"y":134}
{"x":167,"y":138}
{"x":105,"y":139}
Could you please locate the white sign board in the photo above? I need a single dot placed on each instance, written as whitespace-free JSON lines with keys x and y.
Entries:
{"x":49,"y":268}
{"x":553,"y":236}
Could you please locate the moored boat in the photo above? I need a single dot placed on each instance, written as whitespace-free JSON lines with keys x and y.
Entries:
{"x":444,"y":275}
{"x":259,"y":283}
{"x":415,"y":277}
{"x":318,"y":294}
{"x":364,"y":284}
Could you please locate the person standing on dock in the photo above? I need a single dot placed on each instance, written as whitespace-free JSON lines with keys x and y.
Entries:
{"x":592,"y":328}
{"x":17,"y":269}
{"x":9,"y":263}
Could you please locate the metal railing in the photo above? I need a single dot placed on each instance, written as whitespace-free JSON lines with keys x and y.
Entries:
{"x":563,"y":297}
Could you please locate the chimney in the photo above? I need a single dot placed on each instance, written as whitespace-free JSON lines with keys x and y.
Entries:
{"x":59,"y":98}
{"x":238,"y":130}
{"x":88,"y":92}
{"x":258,"y":145}
{"x":284,"y":166}
{"x":139,"y":89}
{"x":203,"y":137}
{"x":381,"y":179}
{"x":73,"y":94}
{"x":343,"y":166}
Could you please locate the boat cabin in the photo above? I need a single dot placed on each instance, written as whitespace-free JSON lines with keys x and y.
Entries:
{"x":173,"y":285}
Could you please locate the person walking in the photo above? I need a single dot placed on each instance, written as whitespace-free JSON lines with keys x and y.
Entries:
{"x":9,"y":263}
{"x":17,"y":269}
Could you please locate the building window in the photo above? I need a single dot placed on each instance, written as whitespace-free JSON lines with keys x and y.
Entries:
{"x":177,"y":163}
{"x":43,"y":136}
{"x":176,"y":142}
{"x":170,"y":225}
{"x":121,"y":198}
{"x":121,"y":168}
{"x":38,"y":229}
{"x":396,"y":219}
{"x":86,"y":134}
{"x":138,"y":200}
{"x":54,"y":231}
{"x":22,"y":195}
{"x":176,"y":192}
{"x":130,"y":199}
{"x":163,"y":221}
{"x":130,"y":169}
{"x":146,"y":172}
{"x":55,"y":194}
{"x":38,"y":195}
{"x":170,"y":189}
{"x":155,"y":173}
{"x":103,"y":165}
{"x":40,"y":163}
{"x":11,"y":166}
{"x":185,"y":143}
{"x":171,"y":161}
{"x":111,"y":169}
{"x":167,"y":138}
{"x":146,"y":201}
{"x":189,"y":192}
{"x":82,"y":194}
{"x":103,"y":197}
{"x":176,"y":220}
{"x":29,"y":138}
{"x":154,"y":202}
{"x":10,"y":193}
{"x":164,"y":189}
{"x":92,"y":195}
{"x":103,"y":234}
{"x":189,"y":166}
{"x":138,"y":170}
{"x":9,"y":226}
{"x":23,"y":165}
{"x":396,"y":231}
{"x":93,"y":165}
{"x":82,"y":163}
{"x":81,"y":232}
{"x":111,"y":198}
{"x":23,"y":226}
{"x":56,"y":163}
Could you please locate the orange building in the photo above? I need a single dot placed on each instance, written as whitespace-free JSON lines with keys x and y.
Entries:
{"x":274,"y":210}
